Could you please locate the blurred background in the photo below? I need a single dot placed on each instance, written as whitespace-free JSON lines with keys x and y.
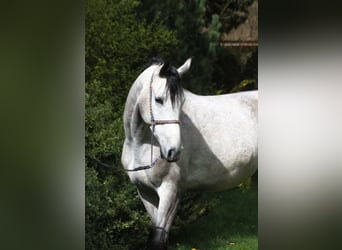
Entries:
{"x":43,"y":101}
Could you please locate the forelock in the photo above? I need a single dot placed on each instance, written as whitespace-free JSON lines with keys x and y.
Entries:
{"x":173,"y":84}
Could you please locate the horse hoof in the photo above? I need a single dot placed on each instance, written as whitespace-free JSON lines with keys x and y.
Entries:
{"x":158,"y":247}
{"x":157,"y":239}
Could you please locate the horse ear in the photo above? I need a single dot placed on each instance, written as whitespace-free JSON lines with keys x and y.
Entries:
{"x":185,"y":67}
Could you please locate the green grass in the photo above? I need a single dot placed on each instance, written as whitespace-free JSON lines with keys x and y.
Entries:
{"x":231,"y":224}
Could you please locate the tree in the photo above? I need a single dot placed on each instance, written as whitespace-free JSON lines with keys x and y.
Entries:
{"x":199,"y":26}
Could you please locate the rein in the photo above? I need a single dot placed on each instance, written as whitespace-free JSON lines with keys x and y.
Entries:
{"x":153,"y":123}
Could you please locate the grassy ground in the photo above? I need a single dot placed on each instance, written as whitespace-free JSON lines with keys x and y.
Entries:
{"x":232,"y":224}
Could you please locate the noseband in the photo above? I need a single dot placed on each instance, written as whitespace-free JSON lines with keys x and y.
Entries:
{"x":154,"y":123}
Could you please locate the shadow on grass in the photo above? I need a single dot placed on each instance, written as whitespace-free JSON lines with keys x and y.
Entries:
{"x":231,"y":224}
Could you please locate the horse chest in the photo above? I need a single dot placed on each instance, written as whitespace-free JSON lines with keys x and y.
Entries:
{"x":139,"y":179}
{"x":154,"y":177}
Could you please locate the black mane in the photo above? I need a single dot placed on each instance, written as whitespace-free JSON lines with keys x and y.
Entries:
{"x":173,"y":84}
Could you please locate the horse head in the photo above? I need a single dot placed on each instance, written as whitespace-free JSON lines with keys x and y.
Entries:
{"x":160,"y":106}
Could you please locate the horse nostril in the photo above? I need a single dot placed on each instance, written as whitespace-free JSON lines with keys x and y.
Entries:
{"x":171,"y":154}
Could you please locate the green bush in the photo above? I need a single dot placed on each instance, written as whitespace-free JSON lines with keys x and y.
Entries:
{"x":117,"y":47}
{"x":114,"y":213}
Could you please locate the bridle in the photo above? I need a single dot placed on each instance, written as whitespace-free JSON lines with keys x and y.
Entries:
{"x":154,"y":123}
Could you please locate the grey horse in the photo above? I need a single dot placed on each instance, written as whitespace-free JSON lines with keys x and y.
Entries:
{"x":176,"y":141}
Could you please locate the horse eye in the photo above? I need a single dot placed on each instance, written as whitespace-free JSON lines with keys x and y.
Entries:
{"x":159,"y":100}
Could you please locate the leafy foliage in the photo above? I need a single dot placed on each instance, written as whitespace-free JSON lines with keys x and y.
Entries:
{"x":230,"y":12}
{"x":114,"y":213}
{"x":117,"y":47}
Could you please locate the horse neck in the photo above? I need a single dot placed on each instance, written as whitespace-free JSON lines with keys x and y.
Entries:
{"x":135,"y":128}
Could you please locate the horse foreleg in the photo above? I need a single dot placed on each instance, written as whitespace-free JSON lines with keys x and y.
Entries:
{"x":150,"y":201}
{"x":168,"y":202}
